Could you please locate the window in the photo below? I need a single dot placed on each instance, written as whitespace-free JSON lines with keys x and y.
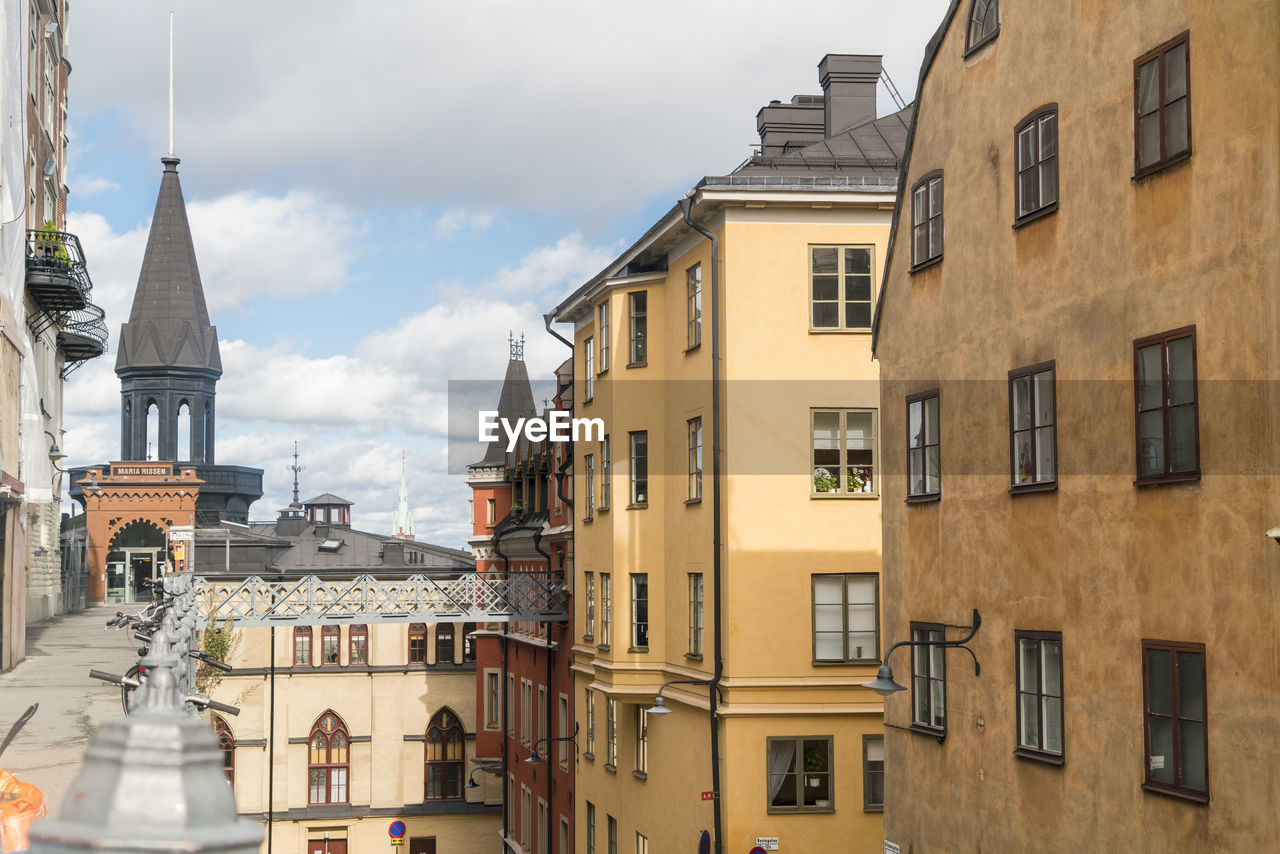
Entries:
{"x":926,"y":221}
{"x":695,"y":459}
{"x":526,"y":712}
{"x":611,"y":733}
{"x":845,"y":616}
{"x":589,"y":475}
{"x":511,"y":799}
{"x":589,"y":605}
{"x":526,"y":815}
{"x":639,"y":305}
{"x":1165,"y":388}
{"x":604,"y":336}
{"x":563,"y":744}
{"x":542,"y":713}
{"x":606,"y":490}
{"x":694,"y":277}
{"x":606,"y":608}
{"x":923,"y":447}
{"x":444,"y":757}
{"x":491,"y":511}
{"x":1039,"y":695}
{"x":492,"y":698}
{"x":591,"y":828}
{"x":639,"y":610}
{"x":928,"y":679}
{"x":328,"y":764}
{"x":695,"y":613}
{"x":358,"y":645}
{"x":329,"y":640}
{"x":984,"y":24}
{"x":1035,"y":142}
{"x":1177,"y":747}
{"x":1033,"y":449}
{"x":840,"y":287}
{"x":301,"y":646}
{"x":1162,"y":107}
{"x":565,"y":835}
{"x":642,"y":843}
{"x":544,"y":828}
{"x":844,"y":443}
{"x":511,"y":705}
{"x":444,"y":643}
{"x":800,"y":774}
{"x":589,"y":351}
{"x":642,"y":740}
{"x":227,"y":744}
{"x":613,"y":835}
{"x":590,"y":703}
{"x":468,"y":643}
{"x":873,"y":773}
{"x":418,"y":643}
{"x":639,"y":467}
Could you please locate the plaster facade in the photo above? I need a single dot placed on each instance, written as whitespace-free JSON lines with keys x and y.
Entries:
{"x":1098,"y":557}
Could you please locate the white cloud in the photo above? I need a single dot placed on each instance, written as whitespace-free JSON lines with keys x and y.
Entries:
{"x":550,"y":272}
{"x":92,"y":185}
{"x":454,"y":221}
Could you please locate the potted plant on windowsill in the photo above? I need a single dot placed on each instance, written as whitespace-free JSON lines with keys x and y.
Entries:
{"x":814,"y":762}
{"x":824,"y":481}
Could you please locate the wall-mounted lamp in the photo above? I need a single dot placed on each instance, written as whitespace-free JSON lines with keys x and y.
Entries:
{"x":55,"y":453}
{"x":884,"y":685}
{"x":659,"y":706}
{"x":535,"y":757}
{"x":93,"y":488}
{"x":1274,"y":533}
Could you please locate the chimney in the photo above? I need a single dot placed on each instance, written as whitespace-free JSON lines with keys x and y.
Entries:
{"x":849,"y":89}
{"x":291,"y":523}
{"x":783,"y":127}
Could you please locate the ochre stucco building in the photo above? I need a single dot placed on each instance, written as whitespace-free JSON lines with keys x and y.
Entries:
{"x":1078,"y":346}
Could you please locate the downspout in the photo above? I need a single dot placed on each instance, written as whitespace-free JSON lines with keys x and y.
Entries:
{"x":537,"y":546}
{"x":506,"y":701}
{"x":686,"y":207}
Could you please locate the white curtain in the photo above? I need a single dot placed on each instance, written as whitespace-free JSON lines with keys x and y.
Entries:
{"x":782,"y":759}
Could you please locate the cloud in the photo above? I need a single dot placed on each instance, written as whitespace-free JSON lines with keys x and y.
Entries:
{"x":549,"y":272}
{"x":92,"y":185}
{"x":556,"y":105}
{"x":454,"y":221}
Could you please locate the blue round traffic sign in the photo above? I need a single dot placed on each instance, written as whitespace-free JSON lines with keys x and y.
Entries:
{"x":396,"y":830}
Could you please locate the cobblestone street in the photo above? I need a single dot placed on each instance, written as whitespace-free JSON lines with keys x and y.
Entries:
{"x":60,"y":652}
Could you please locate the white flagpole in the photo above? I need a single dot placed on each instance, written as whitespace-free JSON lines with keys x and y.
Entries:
{"x":171,"y":83}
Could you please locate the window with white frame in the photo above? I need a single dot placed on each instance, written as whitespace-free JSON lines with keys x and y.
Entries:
{"x":589,"y":480}
{"x":611,"y":733}
{"x":840,"y":287}
{"x":845,"y":618}
{"x":589,"y":606}
{"x":695,"y":459}
{"x":606,"y":608}
{"x":844,"y":451}
{"x":694,"y":291}
{"x":492,"y":698}
{"x":589,"y":353}
{"x":606,"y":482}
{"x":639,"y":610}
{"x":589,"y":702}
{"x":604,"y":336}
{"x":642,"y":739}
{"x":695,"y":613}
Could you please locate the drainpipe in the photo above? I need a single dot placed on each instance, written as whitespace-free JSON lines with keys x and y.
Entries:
{"x":506,"y":701}
{"x":537,"y":546}
{"x":686,"y":207}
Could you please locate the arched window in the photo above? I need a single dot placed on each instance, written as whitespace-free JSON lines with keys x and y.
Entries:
{"x":359,"y":638}
{"x":984,"y":23}
{"x":151,"y":440}
{"x":468,"y":642}
{"x":208,"y":433}
{"x":329,"y":638}
{"x":417,"y":643}
{"x":444,"y":643}
{"x":328,"y":761}
{"x":227,"y":742}
{"x":183,"y":451}
{"x":301,"y":646}
{"x":444,"y":757}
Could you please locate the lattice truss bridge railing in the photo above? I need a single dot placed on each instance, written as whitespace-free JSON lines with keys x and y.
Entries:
{"x":422,"y":598}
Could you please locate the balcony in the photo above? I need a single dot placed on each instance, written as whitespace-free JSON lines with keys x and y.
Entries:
{"x":57,"y":278}
{"x":83,"y":336}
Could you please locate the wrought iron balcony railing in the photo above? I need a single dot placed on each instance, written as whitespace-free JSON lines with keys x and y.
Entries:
{"x":57,"y":277}
{"x":83,"y":336}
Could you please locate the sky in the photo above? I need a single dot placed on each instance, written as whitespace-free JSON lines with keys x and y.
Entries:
{"x":380,"y":194}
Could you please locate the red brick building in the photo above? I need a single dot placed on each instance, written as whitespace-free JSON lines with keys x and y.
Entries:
{"x":522,"y":522}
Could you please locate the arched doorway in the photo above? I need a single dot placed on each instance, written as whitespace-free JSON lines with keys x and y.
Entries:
{"x":133,"y":561}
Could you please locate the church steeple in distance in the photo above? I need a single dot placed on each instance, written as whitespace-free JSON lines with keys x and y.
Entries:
{"x":404,"y":513}
{"x":168,"y":353}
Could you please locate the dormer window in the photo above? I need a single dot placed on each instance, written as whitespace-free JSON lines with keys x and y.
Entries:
{"x":330,"y":545}
{"x":984,"y":24}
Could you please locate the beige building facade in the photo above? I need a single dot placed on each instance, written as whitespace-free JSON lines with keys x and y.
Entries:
{"x":1078,"y":352}
{"x":783,"y":615}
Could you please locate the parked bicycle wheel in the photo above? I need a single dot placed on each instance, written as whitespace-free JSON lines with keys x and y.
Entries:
{"x":126,"y":691}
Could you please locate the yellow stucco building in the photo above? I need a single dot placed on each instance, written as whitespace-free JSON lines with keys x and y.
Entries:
{"x":1078,"y":355}
{"x":766,"y":336}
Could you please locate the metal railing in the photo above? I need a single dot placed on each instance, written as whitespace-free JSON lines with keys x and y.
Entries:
{"x":83,"y":336}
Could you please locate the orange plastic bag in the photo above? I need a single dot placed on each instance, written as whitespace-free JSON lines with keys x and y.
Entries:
{"x":20,"y":804}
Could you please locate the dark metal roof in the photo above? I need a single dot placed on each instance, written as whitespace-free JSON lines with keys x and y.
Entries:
{"x":169,"y":325}
{"x":327,"y":498}
{"x":515,"y":401}
{"x":360,"y":550}
{"x":873,"y":148}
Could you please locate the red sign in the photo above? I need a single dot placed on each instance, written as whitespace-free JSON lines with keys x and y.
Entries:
{"x":396,"y":830}
{"x":707,"y":796}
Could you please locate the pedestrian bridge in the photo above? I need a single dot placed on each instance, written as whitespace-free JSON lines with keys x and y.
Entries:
{"x":311,"y":600}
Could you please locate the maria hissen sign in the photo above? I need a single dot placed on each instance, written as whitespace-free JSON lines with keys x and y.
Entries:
{"x":558,"y":428}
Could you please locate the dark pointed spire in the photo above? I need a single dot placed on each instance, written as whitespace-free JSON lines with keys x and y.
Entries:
{"x":169,"y":324}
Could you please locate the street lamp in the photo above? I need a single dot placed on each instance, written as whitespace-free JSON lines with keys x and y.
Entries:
{"x":659,"y":706}
{"x":55,"y":453}
{"x":884,"y":685}
{"x":534,"y":757}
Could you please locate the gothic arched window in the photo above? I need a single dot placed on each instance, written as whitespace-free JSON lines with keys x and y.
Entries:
{"x":984,"y":23}
{"x":444,"y":757}
{"x":328,"y":762}
{"x":227,"y":743}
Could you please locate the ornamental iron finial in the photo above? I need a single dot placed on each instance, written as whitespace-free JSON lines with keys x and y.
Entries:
{"x":517,"y":346}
